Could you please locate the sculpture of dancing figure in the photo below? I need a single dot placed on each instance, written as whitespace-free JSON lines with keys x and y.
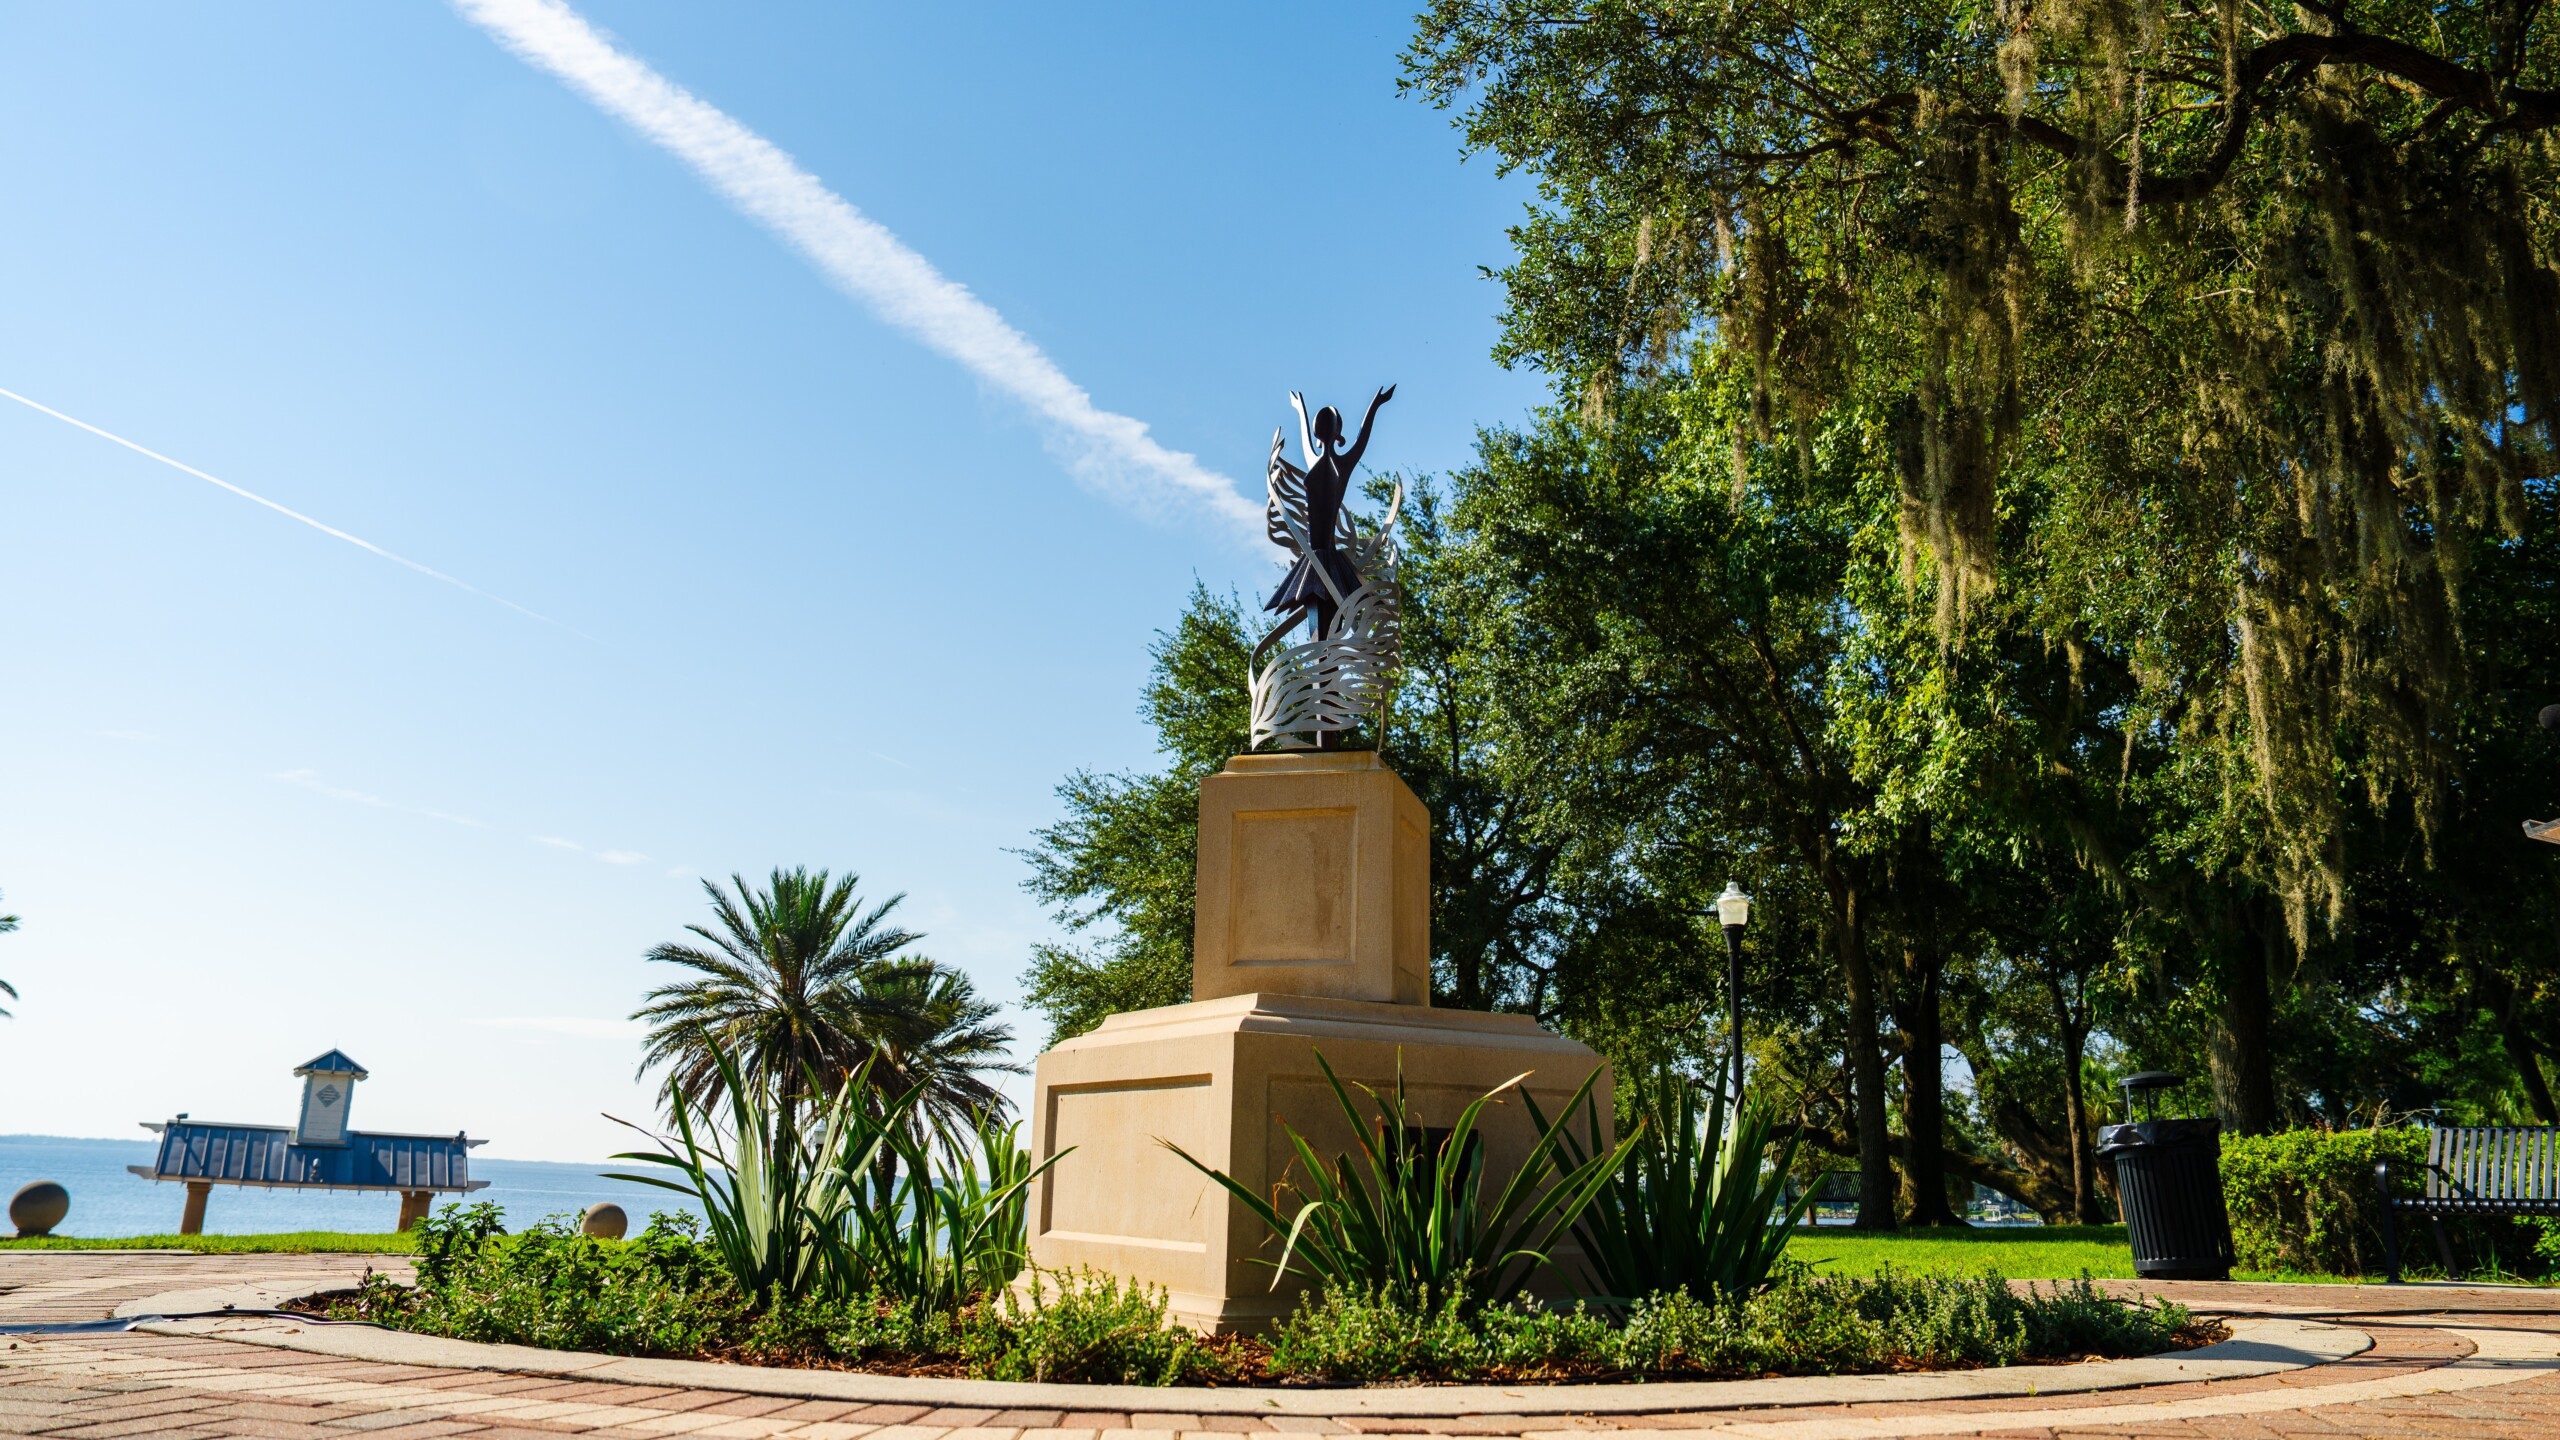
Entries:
{"x":1343,"y":583}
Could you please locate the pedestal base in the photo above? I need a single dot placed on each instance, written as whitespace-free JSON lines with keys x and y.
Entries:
{"x":1214,"y":1077}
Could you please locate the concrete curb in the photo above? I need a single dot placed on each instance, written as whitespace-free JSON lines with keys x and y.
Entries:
{"x":2259,"y":1346}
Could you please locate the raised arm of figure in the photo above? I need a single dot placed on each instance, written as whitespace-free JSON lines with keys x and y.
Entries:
{"x":1351,"y":460}
{"x":1306,"y":437}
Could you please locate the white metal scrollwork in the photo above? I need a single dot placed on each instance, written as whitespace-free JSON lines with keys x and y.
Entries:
{"x":1331,"y":683}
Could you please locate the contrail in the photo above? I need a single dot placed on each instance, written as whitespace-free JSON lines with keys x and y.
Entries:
{"x":326,"y":529}
{"x":1110,"y":452}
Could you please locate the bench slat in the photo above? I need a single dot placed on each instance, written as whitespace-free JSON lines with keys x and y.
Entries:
{"x":2492,"y":1166}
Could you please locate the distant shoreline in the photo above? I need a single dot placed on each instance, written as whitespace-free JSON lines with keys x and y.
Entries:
{"x":144,"y":1139}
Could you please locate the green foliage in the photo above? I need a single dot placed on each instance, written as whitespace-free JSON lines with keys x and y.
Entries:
{"x":799,"y":986}
{"x":1343,"y":1334}
{"x":1694,"y":1206}
{"x":663,"y":1293}
{"x":2183,"y":394}
{"x":1071,"y":1329}
{"x":946,"y":1229}
{"x":864,"y":1201}
{"x":1408,"y":1218}
{"x":1797,"y":1325}
{"x":668,"y":1293}
{"x":1083,"y":1329}
{"x":2305,"y":1199}
{"x":773,"y":1194}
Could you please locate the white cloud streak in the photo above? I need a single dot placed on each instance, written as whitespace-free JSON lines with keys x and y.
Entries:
{"x":310,"y":780}
{"x":291,"y":514}
{"x":1112,"y":453}
{"x":609,"y":857}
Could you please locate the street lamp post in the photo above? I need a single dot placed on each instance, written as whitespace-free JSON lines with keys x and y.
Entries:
{"x":1733,"y":907}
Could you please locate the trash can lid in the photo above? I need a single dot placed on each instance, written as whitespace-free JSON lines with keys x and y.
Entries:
{"x":2152,"y":1080}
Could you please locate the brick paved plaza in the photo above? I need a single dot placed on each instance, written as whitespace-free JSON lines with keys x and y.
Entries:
{"x":2445,"y":1361}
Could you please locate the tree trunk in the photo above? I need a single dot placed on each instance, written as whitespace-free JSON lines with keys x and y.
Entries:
{"x":2244,"y":1083}
{"x":1924,"y":1100}
{"x":2075,"y":1113}
{"x":1866,"y":1073}
{"x":2519,"y":1045}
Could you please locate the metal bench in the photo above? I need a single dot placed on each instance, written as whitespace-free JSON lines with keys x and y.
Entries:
{"x":2475,"y":1170}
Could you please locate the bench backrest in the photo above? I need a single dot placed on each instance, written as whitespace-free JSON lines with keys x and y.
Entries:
{"x":2493,"y":1162}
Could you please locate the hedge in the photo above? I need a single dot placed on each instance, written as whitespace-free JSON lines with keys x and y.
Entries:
{"x":2304,"y":1199}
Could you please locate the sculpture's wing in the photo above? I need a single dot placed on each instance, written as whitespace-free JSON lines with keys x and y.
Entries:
{"x":1285,"y":511}
{"x":1368,"y":546}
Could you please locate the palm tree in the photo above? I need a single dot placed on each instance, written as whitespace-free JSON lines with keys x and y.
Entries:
{"x":781,"y":985}
{"x":932,"y":1030}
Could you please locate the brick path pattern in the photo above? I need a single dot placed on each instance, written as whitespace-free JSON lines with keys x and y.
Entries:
{"x":106,"y":1384}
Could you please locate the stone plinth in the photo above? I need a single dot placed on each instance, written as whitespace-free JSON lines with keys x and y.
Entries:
{"x":1213,"y":1076}
{"x":1314,"y":879}
{"x":1313,"y":931}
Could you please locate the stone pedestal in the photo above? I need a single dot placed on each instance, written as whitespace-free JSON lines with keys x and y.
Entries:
{"x":1312,"y":933}
{"x":1314,"y":879}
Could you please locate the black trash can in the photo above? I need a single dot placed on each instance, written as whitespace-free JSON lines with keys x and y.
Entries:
{"x":2169,"y":1176}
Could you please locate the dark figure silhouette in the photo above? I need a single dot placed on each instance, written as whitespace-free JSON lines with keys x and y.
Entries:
{"x":1328,"y":480}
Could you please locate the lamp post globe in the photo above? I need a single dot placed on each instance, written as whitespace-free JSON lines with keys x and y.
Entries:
{"x":1733,"y":909}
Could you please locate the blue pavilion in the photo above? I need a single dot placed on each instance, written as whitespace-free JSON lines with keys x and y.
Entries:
{"x":318,"y":1152}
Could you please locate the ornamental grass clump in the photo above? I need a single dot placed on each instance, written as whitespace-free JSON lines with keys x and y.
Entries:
{"x":1700,"y":1204}
{"x":862,"y":1199}
{"x":1411,"y":1217}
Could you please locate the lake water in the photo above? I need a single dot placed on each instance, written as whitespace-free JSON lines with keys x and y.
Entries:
{"x":107,"y":1202}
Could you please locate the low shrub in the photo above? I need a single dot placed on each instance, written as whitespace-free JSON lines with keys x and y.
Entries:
{"x":2305,"y":1200}
{"x":664,"y":1293}
{"x":1799,"y":1324}
{"x":1088,"y":1329}
{"x":668,"y":1292}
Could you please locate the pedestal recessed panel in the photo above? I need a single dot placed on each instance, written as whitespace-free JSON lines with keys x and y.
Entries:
{"x":1314,"y":879}
{"x":1213,"y":1076}
{"x":1294,"y":900}
{"x":1119,"y":1186}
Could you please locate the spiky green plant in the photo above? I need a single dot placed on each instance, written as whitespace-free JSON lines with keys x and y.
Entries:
{"x":946,"y":1228}
{"x":1698,"y":1204}
{"x":771,"y":1191}
{"x":1405,"y":1218}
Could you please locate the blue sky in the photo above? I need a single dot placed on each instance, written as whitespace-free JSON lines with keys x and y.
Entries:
{"x":816,"y":594}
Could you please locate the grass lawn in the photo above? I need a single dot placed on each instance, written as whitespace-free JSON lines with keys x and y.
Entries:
{"x":298,"y":1242}
{"x":2028,"y":1252}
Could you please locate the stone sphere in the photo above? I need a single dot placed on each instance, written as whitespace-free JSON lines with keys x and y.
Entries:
{"x":37,"y":1208}
{"x":605,"y":1221}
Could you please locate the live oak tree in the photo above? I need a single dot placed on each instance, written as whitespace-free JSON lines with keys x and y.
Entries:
{"x":2264,"y":298}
